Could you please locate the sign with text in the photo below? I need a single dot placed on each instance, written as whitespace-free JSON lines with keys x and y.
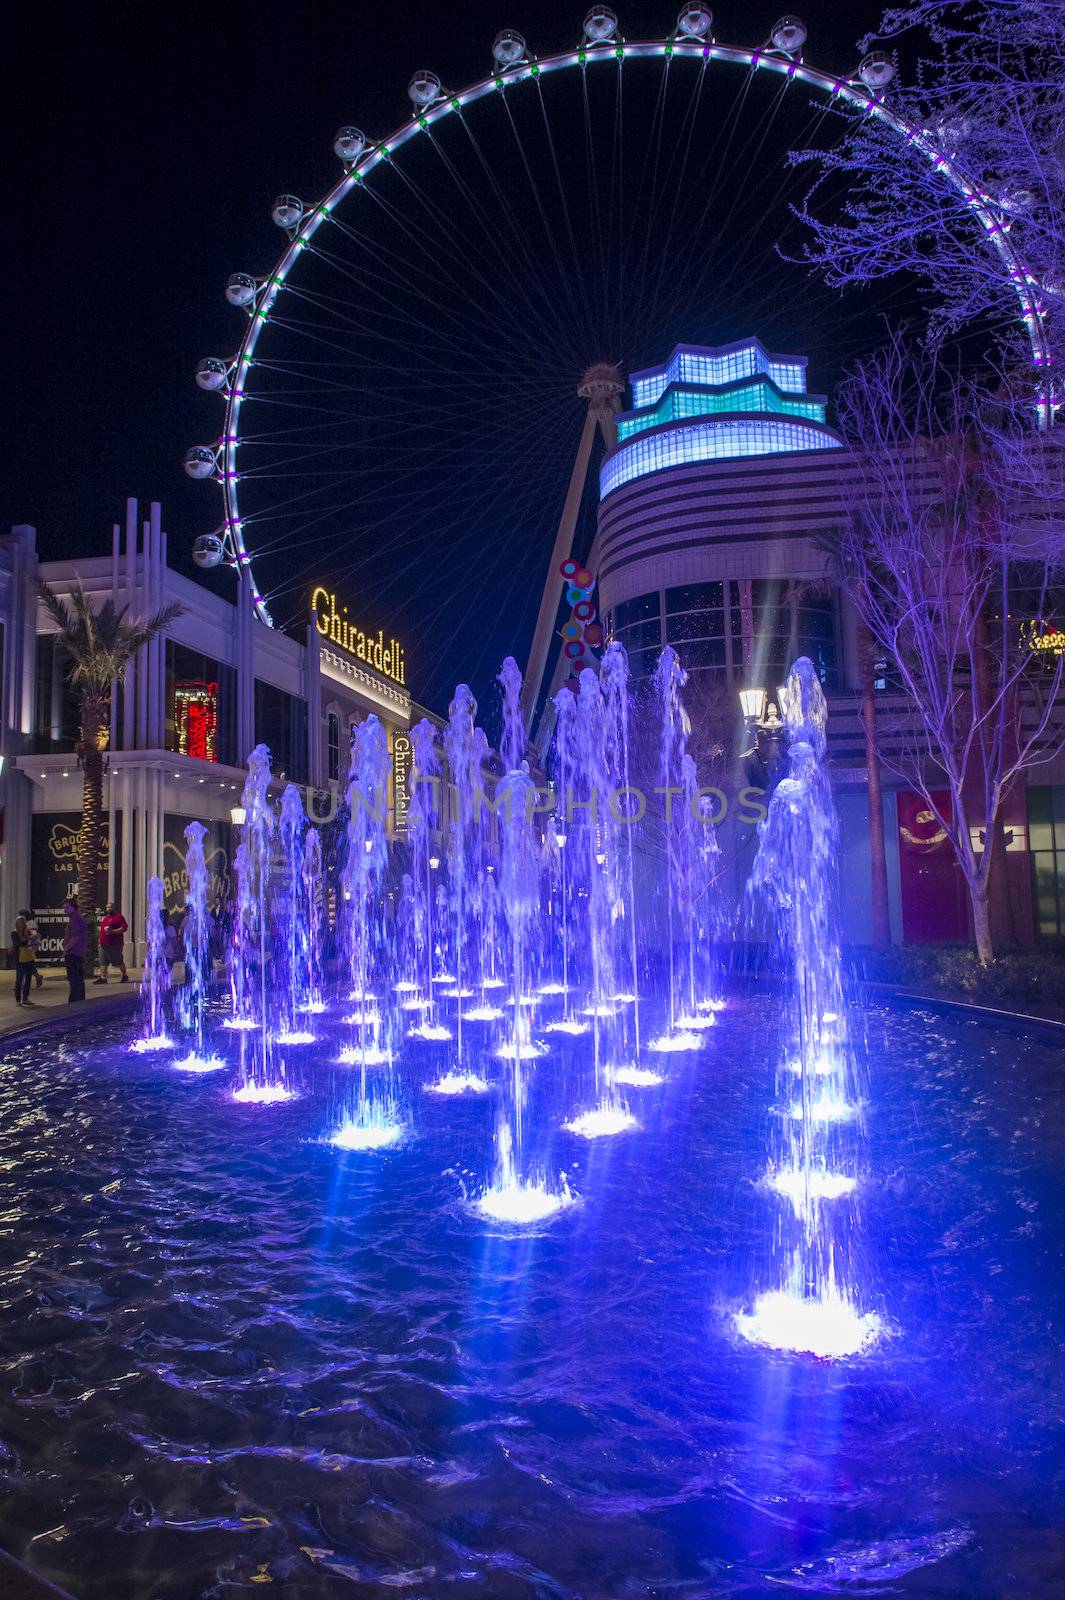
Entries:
{"x":374,"y":650}
{"x":402,"y":763}
{"x":54,"y":876}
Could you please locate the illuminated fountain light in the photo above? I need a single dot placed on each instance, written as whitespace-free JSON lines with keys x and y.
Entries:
{"x":361,"y":996}
{"x":822,"y":1067}
{"x":668,"y":1043}
{"x":493,"y":983}
{"x":696,"y":1022}
{"x":566,"y":1025}
{"x":521,"y":1202}
{"x":363,"y":1019}
{"x":602,"y":1122}
{"x":406,"y":986}
{"x":637,"y":1077}
{"x":365,"y":1055}
{"x":262,"y":1094}
{"x":711,"y":1005}
{"x":156,"y":1041}
{"x":314,"y":1008}
{"x":445,"y":977}
{"x":483,"y":1014}
{"x":553,"y":988}
{"x":602,"y":1009}
{"x":457,"y":994}
{"x":459,"y":1083}
{"x":295,"y":1036}
{"x":624,"y":999}
{"x":420,"y":1003}
{"x":804,"y":1191}
{"x":826,"y":1109}
{"x":516,"y":1051}
{"x":195,"y":1063}
{"x":829,"y":1327}
{"x":240,"y":1024}
{"x":434,"y":1032}
{"x":373,"y":1131}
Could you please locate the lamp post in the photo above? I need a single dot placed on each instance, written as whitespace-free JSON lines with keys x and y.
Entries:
{"x":765,"y":724}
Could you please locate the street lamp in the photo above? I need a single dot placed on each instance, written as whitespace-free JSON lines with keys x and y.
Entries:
{"x":237,"y":816}
{"x":764,"y":720}
{"x":752,"y":704}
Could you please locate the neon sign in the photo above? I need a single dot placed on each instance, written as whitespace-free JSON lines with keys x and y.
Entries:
{"x":196,"y":718}
{"x":332,"y":623}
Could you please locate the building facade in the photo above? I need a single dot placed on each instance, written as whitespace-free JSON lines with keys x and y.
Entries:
{"x":715,"y":509}
{"x":193,"y":704}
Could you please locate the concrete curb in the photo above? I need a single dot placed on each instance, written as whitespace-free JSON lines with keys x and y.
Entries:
{"x":19,"y":1583}
{"x":891,"y":991}
{"x":62,"y":1016}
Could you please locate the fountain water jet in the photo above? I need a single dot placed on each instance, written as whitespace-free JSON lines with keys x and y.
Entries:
{"x":155,"y":979}
{"x":196,"y":931}
{"x":814,"y":1167}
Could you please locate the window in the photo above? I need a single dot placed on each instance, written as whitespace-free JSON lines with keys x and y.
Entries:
{"x":709,"y":441}
{"x":695,"y":624}
{"x":774,"y":620}
{"x":637,"y":625}
{"x":56,"y":709}
{"x":281,"y":723}
{"x":629,"y":611}
{"x":1046,"y":842}
{"x":332,"y":741}
{"x":201,"y":706}
{"x":815,"y":635}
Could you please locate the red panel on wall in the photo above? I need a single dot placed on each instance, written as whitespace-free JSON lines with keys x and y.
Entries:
{"x":934,"y":898}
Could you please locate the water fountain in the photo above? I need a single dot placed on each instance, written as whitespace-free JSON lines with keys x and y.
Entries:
{"x":369,"y":1115}
{"x":599,"y":866}
{"x":816,"y":1142}
{"x":529,"y":930}
{"x":292,"y":934}
{"x":155,"y":981}
{"x":197,"y":940}
{"x":313,"y":890}
{"x":263,"y":1077}
{"x":670,"y":679}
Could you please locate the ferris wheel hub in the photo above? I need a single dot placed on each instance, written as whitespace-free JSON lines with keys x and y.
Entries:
{"x":601,"y":384}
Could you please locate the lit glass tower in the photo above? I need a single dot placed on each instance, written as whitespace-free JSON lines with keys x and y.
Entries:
{"x":716,"y":404}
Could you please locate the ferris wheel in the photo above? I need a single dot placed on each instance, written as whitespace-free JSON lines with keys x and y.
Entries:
{"x":403,"y":330}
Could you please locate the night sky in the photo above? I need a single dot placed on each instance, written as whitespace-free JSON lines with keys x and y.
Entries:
{"x":152,"y":142}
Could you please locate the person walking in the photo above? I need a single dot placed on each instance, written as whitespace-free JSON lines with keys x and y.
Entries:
{"x":75,"y":941}
{"x":113,"y":930}
{"x":25,"y":958}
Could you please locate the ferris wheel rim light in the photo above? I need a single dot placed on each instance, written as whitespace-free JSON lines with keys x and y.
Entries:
{"x":856,"y":88}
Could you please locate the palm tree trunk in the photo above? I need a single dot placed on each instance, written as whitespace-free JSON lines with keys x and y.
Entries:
{"x":91,"y":747}
{"x":877,"y":852}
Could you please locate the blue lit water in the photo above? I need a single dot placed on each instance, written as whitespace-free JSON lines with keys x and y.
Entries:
{"x":231,"y":1355}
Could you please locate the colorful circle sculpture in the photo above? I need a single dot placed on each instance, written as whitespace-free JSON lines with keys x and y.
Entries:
{"x":582,"y":632}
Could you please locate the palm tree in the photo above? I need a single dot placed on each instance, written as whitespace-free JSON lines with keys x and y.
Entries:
{"x":98,"y":645}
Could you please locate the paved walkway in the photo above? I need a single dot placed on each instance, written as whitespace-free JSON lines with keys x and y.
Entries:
{"x":51,"y":999}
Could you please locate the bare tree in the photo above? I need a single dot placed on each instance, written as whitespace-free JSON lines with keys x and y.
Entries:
{"x":988,"y":97}
{"x":951,"y":554}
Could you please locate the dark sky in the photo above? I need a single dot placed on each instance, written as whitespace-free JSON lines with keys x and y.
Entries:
{"x":152,"y":141}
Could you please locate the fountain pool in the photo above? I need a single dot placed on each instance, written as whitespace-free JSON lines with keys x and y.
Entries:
{"x":234,"y":1355}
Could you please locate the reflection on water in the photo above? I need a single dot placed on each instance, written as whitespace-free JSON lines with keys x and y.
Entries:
{"x":233,"y":1355}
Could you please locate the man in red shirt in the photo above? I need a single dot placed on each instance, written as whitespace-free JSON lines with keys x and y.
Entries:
{"x":113,"y":929}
